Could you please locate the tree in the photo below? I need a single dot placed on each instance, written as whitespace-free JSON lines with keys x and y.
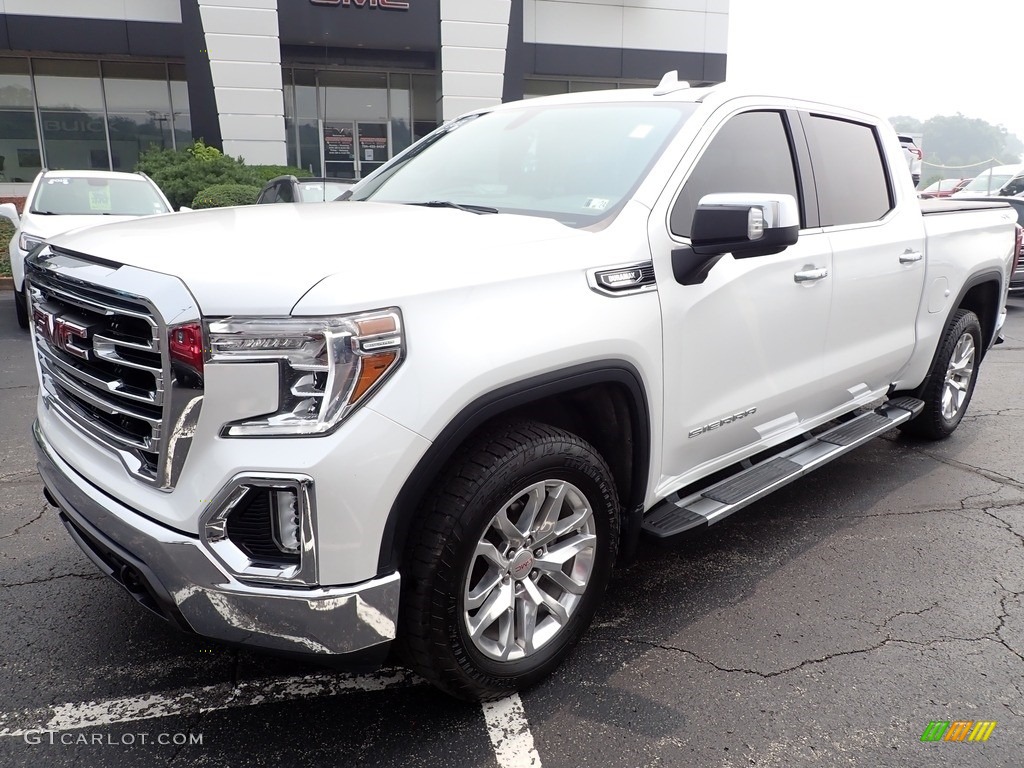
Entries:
{"x":958,"y":146}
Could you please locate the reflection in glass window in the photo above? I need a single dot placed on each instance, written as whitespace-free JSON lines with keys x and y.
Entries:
{"x":71,"y":113}
{"x":138,"y":110}
{"x":20,"y":158}
{"x":401,"y":113}
{"x":181,"y":120}
{"x":424,"y":105}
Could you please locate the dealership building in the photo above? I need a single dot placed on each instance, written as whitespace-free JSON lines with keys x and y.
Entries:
{"x":334,"y":86}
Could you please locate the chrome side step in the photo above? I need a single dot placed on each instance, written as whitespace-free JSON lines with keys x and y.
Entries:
{"x":677,"y":515}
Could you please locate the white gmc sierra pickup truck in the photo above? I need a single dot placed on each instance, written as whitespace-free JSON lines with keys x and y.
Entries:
{"x":431,"y":419}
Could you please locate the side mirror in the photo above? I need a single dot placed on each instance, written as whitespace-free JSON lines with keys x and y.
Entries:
{"x":745,"y":224}
{"x":9,"y":211}
{"x":184,"y":209}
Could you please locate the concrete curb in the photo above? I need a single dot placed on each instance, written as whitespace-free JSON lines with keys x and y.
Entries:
{"x":6,"y":283}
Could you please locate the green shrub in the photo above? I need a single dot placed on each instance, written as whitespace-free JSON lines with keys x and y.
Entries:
{"x":6,"y":233}
{"x":182,"y":174}
{"x":223,"y":195}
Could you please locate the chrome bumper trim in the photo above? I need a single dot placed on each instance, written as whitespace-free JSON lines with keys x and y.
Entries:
{"x":189,"y":588}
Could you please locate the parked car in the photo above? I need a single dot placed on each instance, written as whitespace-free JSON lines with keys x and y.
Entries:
{"x":1013,"y":187}
{"x":943,"y":188}
{"x":59,"y":201}
{"x":991,"y":181}
{"x":441,"y":438}
{"x":289,"y":189}
{"x":913,"y":155}
{"x":1017,"y":203}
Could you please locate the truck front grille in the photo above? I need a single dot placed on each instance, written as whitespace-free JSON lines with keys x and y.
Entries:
{"x":103,"y":364}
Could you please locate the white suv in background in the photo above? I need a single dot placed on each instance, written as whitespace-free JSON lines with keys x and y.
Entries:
{"x":60,"y":201}
{"x":990,"y":182}
{"x":914,"y":156}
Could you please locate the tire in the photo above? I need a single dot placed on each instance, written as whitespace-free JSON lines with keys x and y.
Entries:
{"x":21,"y":308}
{"x":950,"y":384}
{"x":466,"y":559}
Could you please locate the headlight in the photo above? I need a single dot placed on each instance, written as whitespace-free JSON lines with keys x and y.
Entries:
{"x":329,"y":365}
{"x":27,"y":242}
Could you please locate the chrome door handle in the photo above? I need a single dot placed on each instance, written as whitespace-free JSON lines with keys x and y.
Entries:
{"x":909,"y":256}
{"x":810,"y":275}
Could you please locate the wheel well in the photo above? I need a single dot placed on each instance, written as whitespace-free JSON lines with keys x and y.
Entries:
{"x":599,"y":414}
{"x":604,"y":403}
{"x":983,"y":300}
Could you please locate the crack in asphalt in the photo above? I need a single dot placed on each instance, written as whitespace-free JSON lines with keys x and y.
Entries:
{"x":87,"y":576}
{"x":907,"y":613}
{"x":23,"y":526}
{"x":988,"y":474}
{"x":18,"y":386}
{"x":995,"y":636}
{"x":20,"y":475}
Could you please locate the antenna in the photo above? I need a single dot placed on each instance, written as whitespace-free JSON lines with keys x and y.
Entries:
{"x":670,"y":82}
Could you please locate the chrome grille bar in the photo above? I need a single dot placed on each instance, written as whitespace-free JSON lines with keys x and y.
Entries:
{"x":102,"y":350}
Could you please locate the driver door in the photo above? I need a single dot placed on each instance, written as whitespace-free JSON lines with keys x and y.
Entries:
{"x":743,"y":338}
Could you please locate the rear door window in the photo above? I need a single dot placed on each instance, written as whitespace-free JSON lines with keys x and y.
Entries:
{"x":849,"y":172}
{"x":751,"y":153}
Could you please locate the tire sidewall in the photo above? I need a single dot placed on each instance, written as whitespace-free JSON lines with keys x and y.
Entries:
{"x":590,"y":476}
{"x":967,"y":323}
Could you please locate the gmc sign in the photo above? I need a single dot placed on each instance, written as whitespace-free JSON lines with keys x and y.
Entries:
{"x":391,"y":5}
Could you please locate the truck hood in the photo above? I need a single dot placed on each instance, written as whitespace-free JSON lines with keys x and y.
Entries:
{"x":48,"y":227}
{"x":262,"y":259}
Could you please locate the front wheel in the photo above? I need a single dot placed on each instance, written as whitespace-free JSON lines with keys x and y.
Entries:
{"x":509,"y":561}
{"x":947,"y":390}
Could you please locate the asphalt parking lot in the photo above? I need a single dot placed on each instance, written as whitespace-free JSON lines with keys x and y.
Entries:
{"x":827,"y":625}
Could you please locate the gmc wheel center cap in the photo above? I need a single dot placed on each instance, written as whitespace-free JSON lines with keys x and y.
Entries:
{"x":521,"y":565}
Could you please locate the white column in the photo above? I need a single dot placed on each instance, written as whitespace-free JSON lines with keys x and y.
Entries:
{"x":474,"y":34}
{"x":243,"y":41}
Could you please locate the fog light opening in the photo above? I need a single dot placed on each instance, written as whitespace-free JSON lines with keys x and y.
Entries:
{"x":287,"y":525}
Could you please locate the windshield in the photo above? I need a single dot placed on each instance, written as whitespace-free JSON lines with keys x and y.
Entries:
{"x":319,"y":191}
{"x":987,"y":182}
{"x":82,"y":196}
{"x":577,"y":163}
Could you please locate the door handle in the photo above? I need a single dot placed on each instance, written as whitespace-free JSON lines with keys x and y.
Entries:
{"x":909,"y":256}
{"x":810,"y":275}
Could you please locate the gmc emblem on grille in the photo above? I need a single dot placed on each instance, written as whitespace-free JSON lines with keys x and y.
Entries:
{"x":60,"y":332}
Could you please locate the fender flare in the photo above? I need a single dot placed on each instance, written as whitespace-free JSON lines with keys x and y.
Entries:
{"x":503,"y":400}
{"x":988,"y":276}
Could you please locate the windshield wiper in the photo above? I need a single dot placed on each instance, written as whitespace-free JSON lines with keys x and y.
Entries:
{"x":43,"y":213}
{"x":458,"y":206}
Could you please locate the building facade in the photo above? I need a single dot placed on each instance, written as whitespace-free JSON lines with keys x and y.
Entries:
{"x":334,"y":86}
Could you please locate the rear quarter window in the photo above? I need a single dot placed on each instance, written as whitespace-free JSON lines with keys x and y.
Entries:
{"x":849,"y":171}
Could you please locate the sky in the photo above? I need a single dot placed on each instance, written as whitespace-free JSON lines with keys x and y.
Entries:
{"x":889,"y":57}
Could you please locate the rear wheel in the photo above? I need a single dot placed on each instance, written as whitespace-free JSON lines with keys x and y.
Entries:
{"x":509,"y":561}
{"x":21,"y":308}
{"x":950,"y":384}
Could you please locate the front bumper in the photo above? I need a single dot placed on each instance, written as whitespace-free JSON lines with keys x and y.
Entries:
{"x":171,"y":574}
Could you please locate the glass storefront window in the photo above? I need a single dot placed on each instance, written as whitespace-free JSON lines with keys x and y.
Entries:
{"x":181,"y":119}
{"x":533,"y":89}
{"x":71,"y":112}
{"x":138,"y":111}
{"x":425,"y":97}
{"x":307,"y":125}
{"x":401,"y":113}
{"x":20,"y":158}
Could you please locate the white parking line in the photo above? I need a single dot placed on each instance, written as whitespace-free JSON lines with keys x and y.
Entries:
{"x":507,"y":726}
{"x":190,"y":701}
{"x":510,"y":733}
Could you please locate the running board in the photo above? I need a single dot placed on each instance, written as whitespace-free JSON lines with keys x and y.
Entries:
{"x":676,"y":515}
